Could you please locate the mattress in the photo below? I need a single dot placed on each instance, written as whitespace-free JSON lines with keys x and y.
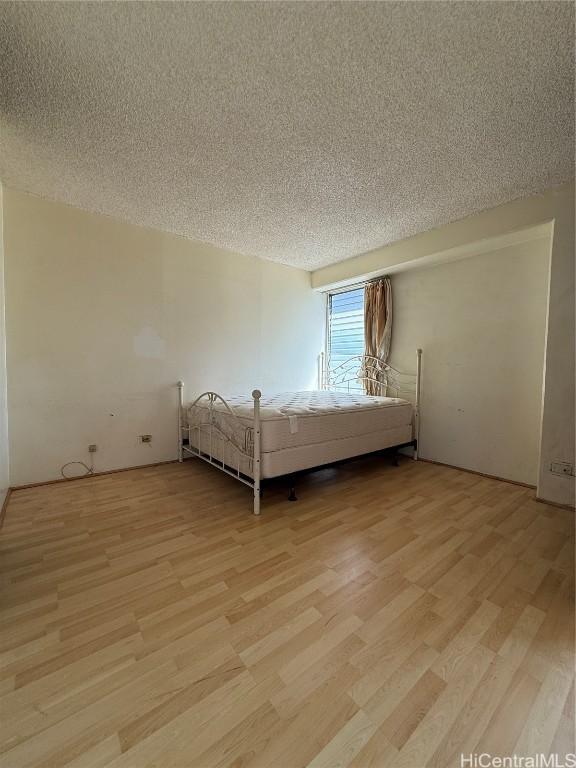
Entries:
{"x":300,"y":429}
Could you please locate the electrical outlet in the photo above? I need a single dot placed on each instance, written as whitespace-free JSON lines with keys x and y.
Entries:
{"x":92,"y":448}
{"x":562,"y":468}
{"x":145,"y":438}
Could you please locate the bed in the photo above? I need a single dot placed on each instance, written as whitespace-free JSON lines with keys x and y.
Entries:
{"x":256,"y":437}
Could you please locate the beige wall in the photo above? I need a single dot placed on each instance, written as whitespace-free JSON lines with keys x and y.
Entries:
{"x":481,"y":322}
{"x":4,"y":463}
{"x":104,"y":317}
{"x":556,"y":206}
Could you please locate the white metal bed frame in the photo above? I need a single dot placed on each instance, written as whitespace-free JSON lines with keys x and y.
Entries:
{"x":357,"y":369}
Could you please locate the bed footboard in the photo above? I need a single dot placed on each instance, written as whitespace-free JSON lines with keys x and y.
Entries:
{"x":236,"y":454}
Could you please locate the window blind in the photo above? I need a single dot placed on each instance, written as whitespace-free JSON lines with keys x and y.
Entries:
{"x":346,"y":328}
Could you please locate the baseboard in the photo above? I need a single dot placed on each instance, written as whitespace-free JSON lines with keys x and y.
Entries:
{"x":569,"y":507}
{"x":4,"y":506}
{"x":175,"y":461}
{"x":93,"y":474}
{"x":480,"y":474}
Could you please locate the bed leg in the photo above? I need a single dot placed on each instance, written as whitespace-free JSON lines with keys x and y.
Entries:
{"x":256,"y":395}
{"x":395,"y":459}
{"x":416,"y":434}
{"x":292,"y":487}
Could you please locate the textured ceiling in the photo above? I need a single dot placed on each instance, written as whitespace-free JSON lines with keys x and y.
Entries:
{"x":300,"y":132}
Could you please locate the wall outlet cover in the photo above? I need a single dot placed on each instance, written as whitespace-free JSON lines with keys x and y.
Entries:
{"x":562,"y":468}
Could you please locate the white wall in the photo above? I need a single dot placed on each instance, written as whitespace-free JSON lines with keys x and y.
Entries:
{"x":558,"y":440}
{"x":4,"y":462}
{"x":103,"y":318}
{"x":555,"y":206}
{"x":481,"y":322}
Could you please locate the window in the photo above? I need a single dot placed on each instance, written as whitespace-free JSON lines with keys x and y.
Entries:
{"x":345,"y":329}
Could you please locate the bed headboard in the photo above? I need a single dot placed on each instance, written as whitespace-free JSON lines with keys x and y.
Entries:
{"x":389,"y":382}
{"x":353,"y":373}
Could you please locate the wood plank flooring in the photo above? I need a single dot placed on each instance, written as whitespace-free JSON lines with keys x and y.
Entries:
{"x":393,"y":618}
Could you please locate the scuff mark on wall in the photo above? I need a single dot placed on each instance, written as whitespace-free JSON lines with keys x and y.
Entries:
{"x":148,"y":343}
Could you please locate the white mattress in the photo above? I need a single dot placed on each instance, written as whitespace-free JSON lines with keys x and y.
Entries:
{"x":293,"y":419}
{"x":304,"y":429}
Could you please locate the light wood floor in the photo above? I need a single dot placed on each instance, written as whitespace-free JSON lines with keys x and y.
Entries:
{"x":392,"y":617}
